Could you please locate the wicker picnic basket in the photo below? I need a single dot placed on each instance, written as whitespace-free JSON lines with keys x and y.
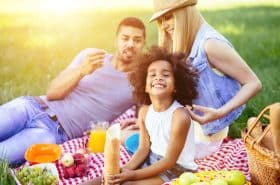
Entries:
{"x":264,"y":161}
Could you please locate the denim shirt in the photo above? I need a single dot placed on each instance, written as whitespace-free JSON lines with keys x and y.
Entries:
{"x":214,"y":89}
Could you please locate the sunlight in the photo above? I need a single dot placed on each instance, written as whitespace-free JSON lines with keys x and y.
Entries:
{"x":61,"y":6}
{"x":66,"y":6}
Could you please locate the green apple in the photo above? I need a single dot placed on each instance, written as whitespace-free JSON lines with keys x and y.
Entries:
{"x":175,"y":182}
{"x":200,"y":183}
{"x":187,"y":178}
{"x":235,"y":177}
{"x":219,"y":182}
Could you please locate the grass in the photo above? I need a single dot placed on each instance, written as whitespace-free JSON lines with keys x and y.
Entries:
{"x":35,"y":47}
{"x":5,"y":176}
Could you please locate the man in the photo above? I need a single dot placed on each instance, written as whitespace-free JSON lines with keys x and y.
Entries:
{"x":93,"y":87}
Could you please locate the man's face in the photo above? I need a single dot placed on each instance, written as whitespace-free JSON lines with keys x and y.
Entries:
{"x":130,"y":43}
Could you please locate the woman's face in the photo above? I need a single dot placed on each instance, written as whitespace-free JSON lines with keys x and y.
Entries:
{"x":167,"y":23}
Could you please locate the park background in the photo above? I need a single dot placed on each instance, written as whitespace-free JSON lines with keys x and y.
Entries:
{"x":39,"y":38}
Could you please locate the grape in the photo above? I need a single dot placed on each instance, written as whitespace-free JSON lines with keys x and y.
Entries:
{"x":36,"y":176}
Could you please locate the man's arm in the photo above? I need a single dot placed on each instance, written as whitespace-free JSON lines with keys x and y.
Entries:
{"x":68,"y":79}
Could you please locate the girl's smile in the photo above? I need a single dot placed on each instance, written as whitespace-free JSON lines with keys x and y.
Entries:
{"x":160,"y":79}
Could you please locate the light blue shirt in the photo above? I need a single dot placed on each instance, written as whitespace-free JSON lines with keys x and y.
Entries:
{"x":214,"y":89}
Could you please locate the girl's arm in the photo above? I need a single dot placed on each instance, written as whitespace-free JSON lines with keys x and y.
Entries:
{"x":180,"y":127}
{"x":144,"y":142}
{"x":224,"y":58}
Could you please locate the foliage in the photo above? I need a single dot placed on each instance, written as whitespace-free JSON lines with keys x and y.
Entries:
{"x":5,"y":175}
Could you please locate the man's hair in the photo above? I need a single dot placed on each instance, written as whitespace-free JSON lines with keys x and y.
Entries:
{"x":185,"y":76}
{"x":133,"y":22}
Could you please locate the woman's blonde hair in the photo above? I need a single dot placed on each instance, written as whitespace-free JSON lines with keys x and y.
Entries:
{"x":187,"y":21}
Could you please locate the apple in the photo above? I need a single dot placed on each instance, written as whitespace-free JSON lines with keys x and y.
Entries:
{"x":200,"y":183}
{"x":67,"y":160}
{"x":175,"y":182}
{"x":235,"y":177}
{"x":187,"y":178}
{"x":218,"y":182}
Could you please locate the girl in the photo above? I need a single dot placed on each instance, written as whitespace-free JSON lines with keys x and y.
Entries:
{"x":163,"y":83}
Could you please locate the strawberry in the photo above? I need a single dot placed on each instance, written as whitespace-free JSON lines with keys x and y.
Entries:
{"x":80,"y":170}
{"x":70,"y":171}
{"x":79,"y":158}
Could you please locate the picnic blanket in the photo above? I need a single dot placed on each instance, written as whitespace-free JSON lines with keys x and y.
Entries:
{"x":232,"y":155}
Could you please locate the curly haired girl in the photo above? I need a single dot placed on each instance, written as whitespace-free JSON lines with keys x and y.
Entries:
{"x":162,"y":83}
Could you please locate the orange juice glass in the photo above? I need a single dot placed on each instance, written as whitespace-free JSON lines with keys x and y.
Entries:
{"x":97,"y":137}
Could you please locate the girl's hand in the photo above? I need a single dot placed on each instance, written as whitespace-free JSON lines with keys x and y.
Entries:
{"x":121,"y":177}
{"x":208,"y":114}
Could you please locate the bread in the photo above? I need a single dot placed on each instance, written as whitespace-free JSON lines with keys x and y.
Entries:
{"x":112,"y":151}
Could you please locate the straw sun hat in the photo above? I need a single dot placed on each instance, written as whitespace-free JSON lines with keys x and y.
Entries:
{"x":161,"y":7}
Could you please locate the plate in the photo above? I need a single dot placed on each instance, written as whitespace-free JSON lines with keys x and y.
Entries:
{"x":42,"y":153}
{"x":50,"y":168}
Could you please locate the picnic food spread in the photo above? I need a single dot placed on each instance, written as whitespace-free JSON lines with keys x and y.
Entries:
{"x":43,"y":153}
{"x":223,"y":177}
{"x":45,"y":173}
{"x":74,"y":165}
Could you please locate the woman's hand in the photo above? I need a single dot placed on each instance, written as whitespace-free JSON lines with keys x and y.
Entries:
{"x":125,"y":175}
{"x":208,"y":114}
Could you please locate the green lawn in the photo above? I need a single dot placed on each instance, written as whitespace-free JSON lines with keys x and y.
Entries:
{"x":35,"y":47}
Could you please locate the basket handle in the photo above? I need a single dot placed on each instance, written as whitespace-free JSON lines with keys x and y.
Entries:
{"x":255,"y":121}
{"x":274,"y":126}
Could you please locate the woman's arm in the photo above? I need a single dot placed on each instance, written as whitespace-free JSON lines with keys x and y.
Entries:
{"x":144,"y":142}
{"x":180,"y":127}
{"x":224,"y":58}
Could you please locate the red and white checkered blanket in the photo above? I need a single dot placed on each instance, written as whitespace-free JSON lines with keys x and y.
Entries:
{"x":232,"y":155}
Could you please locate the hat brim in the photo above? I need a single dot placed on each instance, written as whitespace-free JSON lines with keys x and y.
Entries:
{"x":159,"y":14}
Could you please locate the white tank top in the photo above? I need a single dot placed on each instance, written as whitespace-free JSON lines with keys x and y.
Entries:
{"x":159,"y":126}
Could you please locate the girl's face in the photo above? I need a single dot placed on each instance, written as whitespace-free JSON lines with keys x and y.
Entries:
{"x":160,"y":79}
{"x":167,"y":23}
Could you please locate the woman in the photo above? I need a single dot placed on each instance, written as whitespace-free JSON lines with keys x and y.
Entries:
{"x":226,"y":82}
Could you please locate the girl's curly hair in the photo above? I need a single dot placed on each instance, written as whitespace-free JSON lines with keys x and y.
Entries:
{"x":185,"y":76}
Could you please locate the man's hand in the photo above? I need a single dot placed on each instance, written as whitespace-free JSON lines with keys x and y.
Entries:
{"x":92,"y":62}
{"x":208,"y":114}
